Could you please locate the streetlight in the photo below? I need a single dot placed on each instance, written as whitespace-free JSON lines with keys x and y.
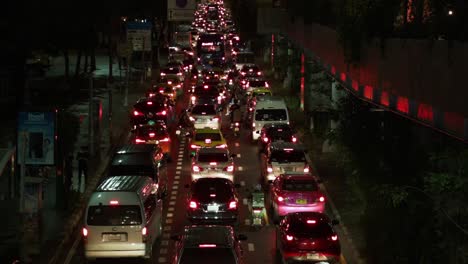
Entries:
{"x":450,"y":12}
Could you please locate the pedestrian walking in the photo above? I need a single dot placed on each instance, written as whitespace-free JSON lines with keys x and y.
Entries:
{"x":82,"y":158}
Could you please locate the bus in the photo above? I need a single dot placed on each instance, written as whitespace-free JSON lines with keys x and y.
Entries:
{"x":211,"y":43}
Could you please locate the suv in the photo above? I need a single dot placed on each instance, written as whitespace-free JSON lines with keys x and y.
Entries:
{"x":141,"y":160}
{"x":213,"y":162}
{"x":282,"y":157}
{"x":153,"y":134}
{"x":208,"y":244}
{"x":275,"y":132}
{"x":307,"y":236}
{"x":152,"y":109}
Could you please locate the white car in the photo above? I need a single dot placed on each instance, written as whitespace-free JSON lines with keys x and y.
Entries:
{"x":213,"y":163}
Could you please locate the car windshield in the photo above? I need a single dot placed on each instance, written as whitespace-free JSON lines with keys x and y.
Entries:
{"x":299,"y":185}
{"x":118,"y":215}
{"x":283,"y":156}
{"x":257,"y":84}
{"x":207,"y":256}
{"x":213,"y":157}
{"x":204,"y":110}
{"x":300,"y":228}
{"x":203,"y":136}
{"x":270,"y":115}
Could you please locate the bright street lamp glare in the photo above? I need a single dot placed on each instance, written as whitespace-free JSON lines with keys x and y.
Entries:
{"x":450,"y":12}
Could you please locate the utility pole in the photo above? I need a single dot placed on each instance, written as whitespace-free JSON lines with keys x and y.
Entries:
{"x":91,"y":117}
{"x":127,"y":72}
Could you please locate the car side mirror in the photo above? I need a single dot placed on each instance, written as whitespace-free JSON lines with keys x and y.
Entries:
{"x":241,"y":237}
{"x":176,"y":237}
{"x":335,"y":222}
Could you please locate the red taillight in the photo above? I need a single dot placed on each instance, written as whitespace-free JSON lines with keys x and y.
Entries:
{"x":163,"y":74}
{"x":193,"y":205}
{"x":149,"y":103}
{"x":151,"y":95}
{"x":179,"y":74}
{"x":229,"y":168}
{"x":193,"y":98}
{"x":334,"y":237}
{"x":207,"y":246}
{"x":311,"y":221}
{"x":114,"y":202}
{"x":321,"y":199}
{"x":192,"y":119}
{"x":84,"y":232}
{"x":136,"y":113}
{"x":166,"y":139}
{"x":152,"y":134}
{"x":162,"y":113}
{"x":144,"y":231}
{"x":216,"y":119}
{"x":213,"y":163}
{"x":289,"y":238}
{"x":232,"y":205}
{"x":161,"y":91}
{"x":196,"y":168}
{"x":259,"y":73}
{"x":270,"y":169}
{"x":294,"y":139}
{"x":306,"y":169}
{"x":138,"y":140}
{"x":280,"y":198}
{"x":257,"y":211}
{"x":194,"y":146}
{"x":207,"y":140}
{"x":222,"y":146}
{"x":265,"y":139}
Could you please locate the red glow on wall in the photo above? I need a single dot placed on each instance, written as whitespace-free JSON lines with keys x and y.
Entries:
{"x":355,"y":85}
{"x":302,"y":92}
{"x":100,"y":110}
{"x":384,"y":98}
{"x":454,"y":122}
{"x":302,"y":63}
{"x":272,"y":50}
{"x":333,"y":70}
{"x":402,"y":104}
{"x":369,"y":92}
{"x":425,"y":112}
{"x":343,"y":77}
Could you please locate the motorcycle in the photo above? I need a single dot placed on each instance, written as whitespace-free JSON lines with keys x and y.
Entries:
{"x":236,"y":129}
{"x":258,"y":209}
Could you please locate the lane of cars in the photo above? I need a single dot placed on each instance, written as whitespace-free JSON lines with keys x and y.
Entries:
{"x":124,"y":215}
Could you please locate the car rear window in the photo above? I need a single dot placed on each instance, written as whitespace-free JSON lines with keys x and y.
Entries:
{"x":210,"y":90}
{"x":299,"y":185}
{"x":204,"y":110}
{"x":171,"y":70}
{"x":119,"y":215}
{"x":257,"y":84}
{"x":213,"y":157}
{"x":207,"y":256}
{"x":270,"y":115}
{"x":203,"y":136}
{"x":287,"y":156}
{"x":158,"y":130}
{"x":299,"y":227}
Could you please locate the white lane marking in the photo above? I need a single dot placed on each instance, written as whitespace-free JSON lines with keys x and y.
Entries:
{"x":162,"y":260}
{"x":179,"y":163}
{"x":251,"y":247}
{"x":178,"y":167}
{"x":242,"y":183}
{"x":247,"y":222}
{"x":175,"y":187}
{"x":169,"y":215}
{"x":177,"y":177}
{"x":173,"y":197}
{"x":72,"y":251}
{"x":166,"y":235}
{"x":169,"y":221}
{"x":239,"y":155}
{"x":240,"y":168}
{"x":181,"y":155}
{"x":174,"y":192}
{"x":245,"y":201}
{"x":172,"y":202}
{"x":170,"y":209}
{"x":176,"y":182}
{"x":164,"y":242}
{"x":237,"y":144}
{"x":163,"y":251}
{"x":167,"y":228}
{"x":178,"y":172}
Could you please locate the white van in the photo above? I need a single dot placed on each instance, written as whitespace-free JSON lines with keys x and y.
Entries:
{"x":268,"y":109}
{"x":122,"y":219}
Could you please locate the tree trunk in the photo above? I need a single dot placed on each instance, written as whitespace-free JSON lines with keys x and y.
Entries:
{"x":93,"y":59}
{"x":111,"y":53}
{"x":78,"y":62}
{"x":67,"y":64}
{"x":85,"y":67}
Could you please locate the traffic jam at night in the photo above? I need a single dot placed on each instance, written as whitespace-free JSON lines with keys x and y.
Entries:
{"x":214,"y":171}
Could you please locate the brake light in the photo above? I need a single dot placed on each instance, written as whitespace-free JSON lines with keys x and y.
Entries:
{"x":194,"y":146}
{"x":232,"y":205}
{"x":270,"y":169}
{"x":213,"y":163}
{"x":144,"y":231}
{"x":149,"y":103}
{"x":196,"y":168}
{"x":205,"y":87}
{"x":294,"y":139}
{"x":216,"y":119}
{"x":152,"y":134}
{"x":265,"y":139}
{"x":84,"y":232}
{"x":257,"y":211}
{"x":222,"y":146}
{"x":229,"y":168}
{"x":193,"y":205}
{"x":151,"y":95}
{"x":253,"y":124}
{"x":259,"y":73}
{"x":280,"y":198}
{"x":288,"y":149}
{"x":114,"y":202}
{"x":179,"y":74}
{"x":306,"y":169}
{"x":136,"y":113}
{"x":266,"y":85}
{"x":193,"y":98}
{"x":243,"y":74}
{"x":334,"y":237}
{"x":322,"y":199}
{"x":138,"y":140}
{"x":208,"y":140}
{"x":311,"y":221}
{"x":169,"y":82}
{"x":163,"y":74}
{"x":166,"y":139}
{"x":207,"y":246}
{"x":162,"y":113}
{"x":289,"y":238}
{"x":191,"y":118}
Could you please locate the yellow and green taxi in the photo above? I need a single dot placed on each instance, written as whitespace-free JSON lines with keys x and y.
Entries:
{"x":206,"y":138}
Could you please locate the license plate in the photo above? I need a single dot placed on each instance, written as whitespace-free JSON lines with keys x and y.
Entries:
{"x":213,"y":208}
{"x":257,"y":221}
{"x":301,"y":201}
{"x":211,"y":62}
{"x":236,"y":129}
{"x":152,"y":142}
{"x":112,"y":237}
{"x":312,"y":256}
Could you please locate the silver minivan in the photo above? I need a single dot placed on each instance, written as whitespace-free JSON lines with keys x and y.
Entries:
{"x":122,"y":219}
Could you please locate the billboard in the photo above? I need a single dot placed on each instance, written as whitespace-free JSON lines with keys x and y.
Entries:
{"x":139,"y":34}
{"x":181,"y":10}
{"x":36,"y":138}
